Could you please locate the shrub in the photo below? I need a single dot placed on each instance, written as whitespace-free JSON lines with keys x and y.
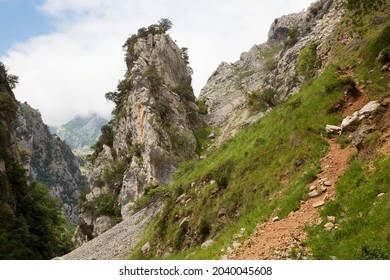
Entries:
{"x":202,"y":106}
{"x":307,"y":61}
{"x":384,"y":55}
{"x":222,"y":174}
{"x":154,"y":79}
{"x":261,"y":101}
{"x":292,"y":38}
{"x":106,"y":138}
{"x":184,"y":90}
{"x":204,"y":227}
{"x":107,"y":205}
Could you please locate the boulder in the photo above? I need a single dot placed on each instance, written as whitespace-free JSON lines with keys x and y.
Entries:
{"x":360,"y":134}
{"x":207,"y":244}
{"x":146,"y":248}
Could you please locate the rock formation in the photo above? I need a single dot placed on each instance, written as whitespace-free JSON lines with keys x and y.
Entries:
{"x":151,"y":133}
{"x":49,"y":159}
{"x":267,"y":73}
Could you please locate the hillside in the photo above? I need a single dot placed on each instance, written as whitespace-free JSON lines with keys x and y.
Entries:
{"x":32,"y":225}
{"x":81,"y":132}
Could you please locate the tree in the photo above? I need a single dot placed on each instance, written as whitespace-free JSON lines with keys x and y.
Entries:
{"x":165,"y":24}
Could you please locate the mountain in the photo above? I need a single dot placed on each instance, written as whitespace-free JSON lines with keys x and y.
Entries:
{"x":32,"y":225}
{"x":294,"y":139}
{"x":81,"y":132}
{"x":48,"y":159}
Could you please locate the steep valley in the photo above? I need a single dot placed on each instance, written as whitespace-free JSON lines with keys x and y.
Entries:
{"x":284,"y":154}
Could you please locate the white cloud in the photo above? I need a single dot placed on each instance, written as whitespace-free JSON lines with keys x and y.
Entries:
{"x":67,"y":72}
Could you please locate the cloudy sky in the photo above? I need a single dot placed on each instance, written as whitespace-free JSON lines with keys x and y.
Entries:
{"x":68,"y":53}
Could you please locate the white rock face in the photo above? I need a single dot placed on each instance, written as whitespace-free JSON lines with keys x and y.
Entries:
{"x":51,"y":161}
{"x":152,"y":132}
{"x":268,"y":65}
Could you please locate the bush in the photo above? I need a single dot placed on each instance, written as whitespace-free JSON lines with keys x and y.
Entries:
{"x":261,"y":101}
{"x":162,"y":27}
{"x":202,"y":106}
{"x":106,"y":138}
{"x":308,"y":61}
{"x":222,"y":174}
{"x":107,"y":205}
{"x":292,"y":38}
{"x":384,"y":55}
{"x":204,"y":227}
{"x":154,"y":79}
{"x":184,"y":90}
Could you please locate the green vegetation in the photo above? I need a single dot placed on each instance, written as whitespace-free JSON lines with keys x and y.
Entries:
{"x":292,"y":38}
{"x":357,"y":9}
{"x":362,"y":217}
{"x":106,"y":138}
{"x":235,"y":186}
{"x":152,"y":193}
{"x":162,"y":27}
{"x":185,"y":90}
{"x":308,"y":61}
{"x":260,"y":101}
{"x":286,"y":145}
{"x":202,"y":106}
{"x":154,"y":79}
{"x":31,"y":222}
{"x":202,"y":141}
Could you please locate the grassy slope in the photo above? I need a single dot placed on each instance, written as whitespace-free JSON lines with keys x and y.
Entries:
{"x":279,"y":153}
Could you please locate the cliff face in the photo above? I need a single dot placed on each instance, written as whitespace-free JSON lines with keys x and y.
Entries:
{"x":152,"y":131}
{"x":49,"y":159}
{"x":266,"y":69}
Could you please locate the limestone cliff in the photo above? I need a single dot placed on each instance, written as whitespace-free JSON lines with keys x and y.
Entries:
{"x":267,"y":73}
{"x":49,"y":159}
{"x":151,"y":133}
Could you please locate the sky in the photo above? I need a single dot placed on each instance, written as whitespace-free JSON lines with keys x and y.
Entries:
{"x":68,"y":53}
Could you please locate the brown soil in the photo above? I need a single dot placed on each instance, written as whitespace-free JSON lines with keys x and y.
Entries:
{"x":275,"y":240}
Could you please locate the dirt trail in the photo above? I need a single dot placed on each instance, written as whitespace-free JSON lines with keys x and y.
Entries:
{"x":278,"y":239}
{"x":275,"y":239}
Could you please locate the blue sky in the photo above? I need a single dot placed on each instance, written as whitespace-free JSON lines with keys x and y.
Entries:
{"x":68,"y":53}
{"x":19,"y":21}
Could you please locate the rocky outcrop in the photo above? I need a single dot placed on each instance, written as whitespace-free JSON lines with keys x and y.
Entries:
{"x":270,"y":66}
{"x":48,"y":159}
{"x":152,"y":131}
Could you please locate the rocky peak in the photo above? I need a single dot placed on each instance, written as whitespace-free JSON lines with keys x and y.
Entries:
{"x":151,"y":133}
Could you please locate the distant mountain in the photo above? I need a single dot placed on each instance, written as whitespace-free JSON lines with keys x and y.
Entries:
{"x":81,"y":132}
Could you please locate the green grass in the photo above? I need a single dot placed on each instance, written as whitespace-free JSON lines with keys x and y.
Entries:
{"x":363,"y":217}
{"x":286,"y":144}
{"x":281,"y":153}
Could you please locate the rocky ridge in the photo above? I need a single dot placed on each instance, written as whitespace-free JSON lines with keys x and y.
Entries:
{"x":49,"y":159}
{"x":271,"y":65}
